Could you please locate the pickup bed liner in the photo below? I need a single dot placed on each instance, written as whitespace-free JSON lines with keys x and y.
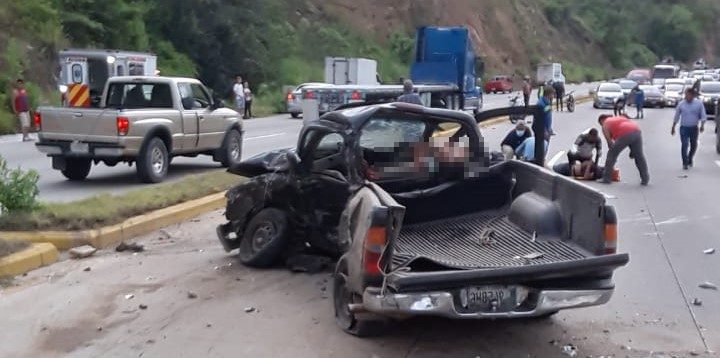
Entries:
{"x":480,"y":240}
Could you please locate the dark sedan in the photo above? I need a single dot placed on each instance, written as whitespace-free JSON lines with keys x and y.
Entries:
{"x":709,"y":94}
{"x":653,"y":96}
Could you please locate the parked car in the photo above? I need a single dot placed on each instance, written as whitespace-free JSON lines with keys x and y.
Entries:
{"x":407,"y":242}
{"x":627,"y":86}
{"x":294,"y":98}
{"x":653,"y":97}
{"x":142,"y":120}
{"x":674,"y":93}
{"x":497,"y":84}
{"x":710,"y":94}
{"x":607,"y":94}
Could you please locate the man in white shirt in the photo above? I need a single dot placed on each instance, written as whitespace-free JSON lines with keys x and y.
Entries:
{"x":239,"y":91}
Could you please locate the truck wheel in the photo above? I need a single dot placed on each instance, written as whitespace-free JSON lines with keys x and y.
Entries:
{"x":265,"y":238}
{"x":232,"y":148}
{"x":342,"y":297}
{"x":77,"y":169}
{"x":295,"y":115}
{"x":153,"y":161}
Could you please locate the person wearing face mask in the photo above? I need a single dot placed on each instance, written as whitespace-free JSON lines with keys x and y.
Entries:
{"x":514,"y":138}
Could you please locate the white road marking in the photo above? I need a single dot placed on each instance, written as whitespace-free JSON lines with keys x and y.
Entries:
{"x":554,"y":159}
{"x":675,"y":220}
{"x":266,"y":136}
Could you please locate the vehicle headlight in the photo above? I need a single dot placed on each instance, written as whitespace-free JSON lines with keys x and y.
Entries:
{"x":63,"y":88}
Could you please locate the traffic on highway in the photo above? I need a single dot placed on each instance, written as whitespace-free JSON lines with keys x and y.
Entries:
{"x":437,"y":216}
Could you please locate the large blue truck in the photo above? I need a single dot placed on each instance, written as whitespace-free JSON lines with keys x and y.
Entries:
{"x":444,"y":71}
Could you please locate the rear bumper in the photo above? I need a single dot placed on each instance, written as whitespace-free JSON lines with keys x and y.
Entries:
{"x":445,"y":303}
{"x":118,"y":149}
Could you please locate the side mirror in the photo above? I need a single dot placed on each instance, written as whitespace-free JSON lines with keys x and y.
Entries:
{"x":218,"y":103}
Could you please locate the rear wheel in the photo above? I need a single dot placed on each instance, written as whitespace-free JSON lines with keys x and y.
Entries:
{"x":77,"y":169}
{"x":571,"y":104}
{"x":265,"y":238}
{"x":153,"y":161}
{"x":342,"y":298}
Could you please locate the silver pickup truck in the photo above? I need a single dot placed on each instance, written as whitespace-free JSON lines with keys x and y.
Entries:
{"x":142,"y":120}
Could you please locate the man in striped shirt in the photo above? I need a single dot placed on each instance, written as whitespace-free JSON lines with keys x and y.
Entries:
{"x":689,"y":112}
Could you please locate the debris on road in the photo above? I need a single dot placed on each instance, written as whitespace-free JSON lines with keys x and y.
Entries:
{"x":191,"y":295}
{"x":87,"y":269}
{"x":164,"y":235}
{"x":129,"y":296}
{"x":708,"y":285}
{"x":249,"y":309}
{"x":308,"y":263}
{"x":569,"y":350}
{"x":709,"y":251}
{"x":142,"y":306}
{"x":696,"y":302}
{"x":129,"y":247}
{"x":81,"y":252}
{"x":683,"y":176}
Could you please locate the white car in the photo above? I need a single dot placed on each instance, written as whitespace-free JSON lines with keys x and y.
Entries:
{"x":294,"y":100}
{"x":607,"y":94}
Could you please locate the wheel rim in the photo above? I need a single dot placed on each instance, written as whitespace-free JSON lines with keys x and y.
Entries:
{"x":234,"y":149}
{"x":157,"y":160}
{"x":264,"y":234}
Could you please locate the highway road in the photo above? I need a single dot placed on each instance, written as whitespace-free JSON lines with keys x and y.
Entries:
{"x":665,"y":227}
{"x":261,"y":134}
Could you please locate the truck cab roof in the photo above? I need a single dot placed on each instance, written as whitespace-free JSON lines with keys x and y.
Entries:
{"x":153,"y":79}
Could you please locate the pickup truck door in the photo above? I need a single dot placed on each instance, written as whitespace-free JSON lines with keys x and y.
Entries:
{"x":209,"y":122}
{"x":190,"y":117}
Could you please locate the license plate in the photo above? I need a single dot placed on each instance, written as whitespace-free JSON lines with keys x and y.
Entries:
{"x":78,"y":147}
{"x":489,"y":298}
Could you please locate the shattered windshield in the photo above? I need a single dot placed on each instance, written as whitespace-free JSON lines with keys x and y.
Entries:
{"x":385,"y":134}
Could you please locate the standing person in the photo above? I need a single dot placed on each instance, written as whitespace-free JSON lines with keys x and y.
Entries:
{"x":639,"y":102}
{"x":689,"y":112}
{"x":545,"y":102}
{"x":408,"y":95}
{"x":526,"y":89}
{"x":247,"y":93}
{"x":514,"y":138}
{"x":619,"y":107}
{"x":239,"y":91}
{"x":21,"y":108}
{"x":621,"y":132}
{"x":559,"y":88}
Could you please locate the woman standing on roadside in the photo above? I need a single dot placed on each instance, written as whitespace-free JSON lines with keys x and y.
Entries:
{"x":248,"y":100}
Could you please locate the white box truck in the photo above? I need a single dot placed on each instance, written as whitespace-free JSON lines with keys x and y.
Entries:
{"x":351,"y":71}
{"x":550,"y":72}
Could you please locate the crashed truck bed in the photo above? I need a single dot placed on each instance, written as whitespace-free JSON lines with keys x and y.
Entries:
{"x":477,"y":241}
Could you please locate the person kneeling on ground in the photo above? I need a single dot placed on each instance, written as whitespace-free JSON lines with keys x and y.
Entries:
{"x":621,"y":132}
{"x":585,"y":144}
{"x":514,"y":138}
{"x":526,"y":150}
{"x":586,"y":170}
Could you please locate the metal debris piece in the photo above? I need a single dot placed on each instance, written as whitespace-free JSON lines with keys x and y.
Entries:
{"x":533,"y":255}
{"x":569,"y":350}
{"x":129,"y":247}
{"x":683,"y":176}
{"x":696,"y":302}
{"x":249,"y":309}
{"x":87,"y":269}
{"x":708,"y":285}
{"x":129,"y":296}
{"x":709,"y":251}
{"x":81,"y":252}
{"x":191,"y":295}
{"x":142,"y":306}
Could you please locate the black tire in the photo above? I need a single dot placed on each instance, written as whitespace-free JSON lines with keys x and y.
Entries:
{"x":77,"y":169}
{"x":295,"y":115}
{"x":265,"y":239}
{"x":345,"y":319}
{"x":231,"y":151}
{"x":571,"y":105}
{"x":595,"y":106}
{"x":153,"y":161}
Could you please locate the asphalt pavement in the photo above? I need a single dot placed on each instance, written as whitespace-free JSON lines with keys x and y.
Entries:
{"x":262,"y":134}
{"x":65,"y":309}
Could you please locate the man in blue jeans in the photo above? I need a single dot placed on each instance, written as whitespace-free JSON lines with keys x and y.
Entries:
{"x":690,"y":112}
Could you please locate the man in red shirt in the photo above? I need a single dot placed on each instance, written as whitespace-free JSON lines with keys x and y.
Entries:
{"x":21,"y":107}
{"x":621,"y":132}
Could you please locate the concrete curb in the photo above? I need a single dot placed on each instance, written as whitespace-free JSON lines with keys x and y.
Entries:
{"x":37,"y":255}
{"x":134,"y":226}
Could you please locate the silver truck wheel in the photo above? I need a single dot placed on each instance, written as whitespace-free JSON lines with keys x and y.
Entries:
{"x":153,"y":161}
{"x":232,"y":149}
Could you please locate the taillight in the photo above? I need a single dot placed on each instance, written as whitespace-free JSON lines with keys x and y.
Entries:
{"x":372,"y":251}
{"x":308,"y":94}
{"x":610,"y":232}
{"x":355,"y":95}
{"x":123,"y":125}
{"x":290,"y":96}
{"x":37,"y":120}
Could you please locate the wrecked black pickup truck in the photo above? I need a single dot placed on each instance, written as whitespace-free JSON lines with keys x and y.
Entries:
{"x":422,"y":221}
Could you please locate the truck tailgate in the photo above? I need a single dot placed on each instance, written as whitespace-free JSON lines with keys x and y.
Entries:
{"x":67,"y":123}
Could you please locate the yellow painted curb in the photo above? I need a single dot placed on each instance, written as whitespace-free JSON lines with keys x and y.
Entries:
{"x":129,"y":228}
{"x":37,"y":255}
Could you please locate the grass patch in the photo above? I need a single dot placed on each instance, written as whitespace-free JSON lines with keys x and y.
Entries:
{"x":106,"y":209}
{"x":8,"y":247}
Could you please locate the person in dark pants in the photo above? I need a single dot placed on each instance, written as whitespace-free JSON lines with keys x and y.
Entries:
{"x":526,"y":89}
{"x":639,"y":100}
{"x":621,"y":132}
{"x":559,"y":88}
{"x":248,"y":100}
{"x":619,"y":107}
{"x":689,"y":112}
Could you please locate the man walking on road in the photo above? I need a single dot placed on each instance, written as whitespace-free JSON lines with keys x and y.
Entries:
{"x":621,"y":132}
{"x":21,"y":108}
{"x":689,"y":112}
{"x":639,"y":102}
{"x":526,"y":89}
{"x":559,"y":89}
{"x":408,"y":95}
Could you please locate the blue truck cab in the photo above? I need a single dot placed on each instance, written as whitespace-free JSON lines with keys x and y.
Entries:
{"x":445,"y":56}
